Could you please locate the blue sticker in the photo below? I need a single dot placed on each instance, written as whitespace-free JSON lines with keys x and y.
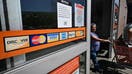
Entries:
{"x":63,"y":35}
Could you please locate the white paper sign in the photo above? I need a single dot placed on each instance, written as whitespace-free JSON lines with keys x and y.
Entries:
{"x":64,"y":15}
{"x":79,"y":15}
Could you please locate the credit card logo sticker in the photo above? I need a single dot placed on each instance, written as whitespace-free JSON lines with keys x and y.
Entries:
{"x":79,"y":33}
{"x":12,"y":43}
{"x":63,"y":35}
{"x":37,"y":39}
{"x":52,"y":37}
{"x":71,"y":34}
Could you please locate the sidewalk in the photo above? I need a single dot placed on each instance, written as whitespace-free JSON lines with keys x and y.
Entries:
{"x":109,"y":67}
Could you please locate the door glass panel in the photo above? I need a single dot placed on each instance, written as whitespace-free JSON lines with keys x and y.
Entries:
{"x":42,"y":14}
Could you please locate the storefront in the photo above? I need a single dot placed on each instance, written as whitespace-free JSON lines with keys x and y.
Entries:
{"x":43,"y":35}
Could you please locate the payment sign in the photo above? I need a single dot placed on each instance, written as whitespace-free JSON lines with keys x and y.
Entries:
{"x":71,"y":34}
{"x":12,"y":43}
{"x":63,"y":35}
{"x":52,"y":37}
{"x":79,"y":33}
{"x":37,"y":39}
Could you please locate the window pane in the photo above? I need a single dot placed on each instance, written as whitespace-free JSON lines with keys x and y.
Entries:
{"x":38,"y":14}
{"x":42,"y":14}
{"x":0,"y":25}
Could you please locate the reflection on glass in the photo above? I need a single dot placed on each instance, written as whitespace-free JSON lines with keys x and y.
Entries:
{"x":38,"y":14}
{"x":115,"y":18}
{"x":42,"y":14}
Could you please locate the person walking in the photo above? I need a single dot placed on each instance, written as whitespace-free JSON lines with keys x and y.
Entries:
{"x":95,"y":45}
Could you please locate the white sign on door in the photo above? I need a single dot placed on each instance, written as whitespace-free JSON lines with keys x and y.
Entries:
{"x":64,"y":15}
{"x":79,"y":15}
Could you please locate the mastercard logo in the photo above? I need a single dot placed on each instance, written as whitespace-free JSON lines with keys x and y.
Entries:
{"x":38,"y":39}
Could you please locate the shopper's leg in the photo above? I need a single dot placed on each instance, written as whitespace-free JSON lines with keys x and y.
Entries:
{"x":95,"y":61}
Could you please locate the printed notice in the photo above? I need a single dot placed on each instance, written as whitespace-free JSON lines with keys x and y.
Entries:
{"x":64,"y":15}
{"x":13,"y":43}
{"x":79,"y":15}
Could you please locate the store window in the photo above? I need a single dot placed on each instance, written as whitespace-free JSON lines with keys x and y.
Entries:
{"x":42,"y":14}
{"x":38,"y":14}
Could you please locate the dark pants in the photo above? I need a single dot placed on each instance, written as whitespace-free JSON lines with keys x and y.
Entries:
{"x":94,"y":60}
